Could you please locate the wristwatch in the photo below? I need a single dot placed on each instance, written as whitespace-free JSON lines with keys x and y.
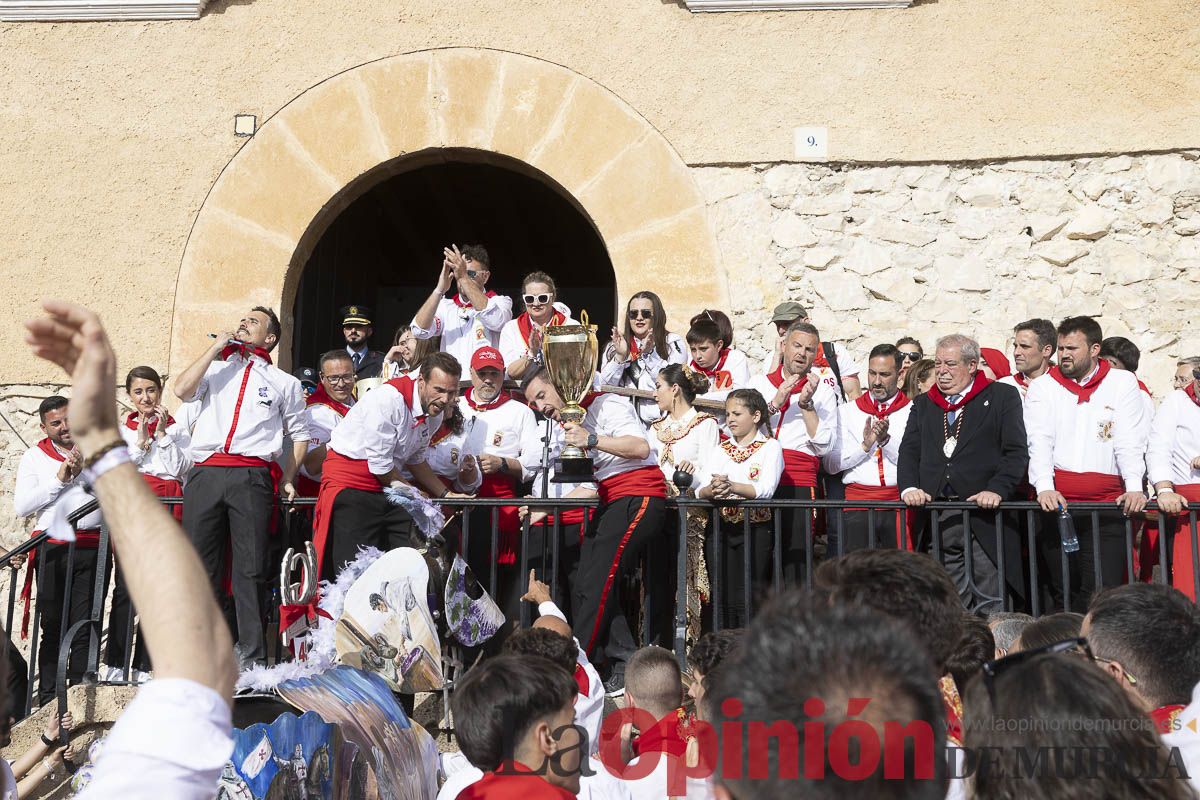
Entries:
{"x":593,"y":440}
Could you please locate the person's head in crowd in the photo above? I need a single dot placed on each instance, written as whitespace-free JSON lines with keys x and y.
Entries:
{"x":884,"y":366}
{"x":994,"y":363}
{"x":1006,"y":629}
{"x":519,"y":708}
{"x":1060,"y":708}
{"x":653,"y":682}
{"x":955,"y":362}
{"x":919,"y":378}
{"x":1079,"y":341}
{"x":144,"y":386}
{"x":259,"y":328}
{"x":412,"y":351}
{"x":1034,"y":343}
{"x":709,"y":651}
{"x":1187,"y":370}
{"x":785,"y":314}
{"x":975,"y":646}
{"x":910,"y":353}
{"x":676,"y":387}
{"x":746,"y":415}
{"x":705,"y":341}
{"x":724,"y":324}
{"x":487,"y":374}
{"x":356,"y":326}
{"x":1048,"y":630}
{"x":801,"y":663}
{"x":540,"y":393}
{"x":308,"y":379}
{"x":800,"y":344}
{"x":479,"y":264}
{"x":544,"y":642}
{"x":337,"y":375}
{"x":645,"y":319}
{"x":52,"y":414}
{"x":438,"y":384}
{"x":1121,"y":353}
{"x":1147,"y":637}
{"x":912,"y":587}
{"x":538,"y":293}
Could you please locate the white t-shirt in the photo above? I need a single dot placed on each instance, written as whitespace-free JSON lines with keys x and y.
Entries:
{"x":387,"y":428}
{"x":464,"y":329}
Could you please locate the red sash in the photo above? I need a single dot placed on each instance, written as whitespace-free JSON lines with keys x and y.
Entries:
{"x":508,"y":521}
{"x":338,"y":473}
{"x":941,"y":401}
{"x":306,"y":486}
{"x":1088,"y":487}
{"x":799,"y":469}
{"x":1021,"y":380}
{"x":645,"y":481}
{"x":863,"y":491}
{"x":320,"y":397}
{"x":243,"y":350}
{"x":1083,"y":393}
{"x":165,"y":488}
{"x":1182,"y":569}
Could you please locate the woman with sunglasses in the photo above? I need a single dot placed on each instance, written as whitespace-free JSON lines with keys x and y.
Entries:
{"x":521,"y":338}
{"x":634,"y":358}
{"x":910,"y":353}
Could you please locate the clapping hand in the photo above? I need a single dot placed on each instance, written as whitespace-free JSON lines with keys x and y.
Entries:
{"x":785,"y":390}
{"x":71,"y":466}
{"x":619,"y":345}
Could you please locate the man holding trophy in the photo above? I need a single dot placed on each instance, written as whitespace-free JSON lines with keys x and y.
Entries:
{"x":601,"y":431}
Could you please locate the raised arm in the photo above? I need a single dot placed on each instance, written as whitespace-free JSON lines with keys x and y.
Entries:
{"x":189,"y":380}
{"x":423,"y":323}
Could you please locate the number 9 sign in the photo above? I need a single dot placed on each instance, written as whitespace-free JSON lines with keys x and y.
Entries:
{"x":812,"y":144}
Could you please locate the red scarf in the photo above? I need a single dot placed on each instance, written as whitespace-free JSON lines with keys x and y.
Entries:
{"x":512,"y":780}
{"x":1084,"y":392}
{"x":321,"y":398}
{"x":869,"y":406}
{"x":131,"y":422}
{"x":820,"y":362}
{"x":244,"y":351}
{"x":47,"y":447}
{"x":525,"y":324}
{"x":667,"y":736}
{"x":1021,"y":380}
{"x":941,"y":401}
{"x":497,"y":401}
{"x":461,"y":303}
{"x":720,"y":378}
{"x":1164,"y":717}
{"x":582,"y":681}
{"x":1191,"y":392}
{"x":1145,"y":389}
{"x":776,"y":379}
{"x":405,"y":385}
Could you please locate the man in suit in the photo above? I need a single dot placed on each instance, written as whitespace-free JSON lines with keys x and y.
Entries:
{"x":965,"y":440}
{"x":357,"y":330}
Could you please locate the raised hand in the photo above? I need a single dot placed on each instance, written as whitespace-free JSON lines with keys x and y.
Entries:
{"x":619,"y":345}
{"x":869,"y":435}
{"x":804,"y":396}
{"x":537,"y":592}
{"x":785,"y":390}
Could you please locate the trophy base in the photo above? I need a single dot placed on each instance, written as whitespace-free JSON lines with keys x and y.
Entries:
{"x":573,"y":470}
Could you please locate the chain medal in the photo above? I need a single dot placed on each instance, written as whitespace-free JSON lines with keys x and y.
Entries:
{"x":951,"y":440}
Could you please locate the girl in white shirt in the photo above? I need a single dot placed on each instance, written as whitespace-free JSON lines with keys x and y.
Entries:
{"x":745,"y":467}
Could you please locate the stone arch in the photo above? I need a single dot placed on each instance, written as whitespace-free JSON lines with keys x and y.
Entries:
{"x":336,"y":139}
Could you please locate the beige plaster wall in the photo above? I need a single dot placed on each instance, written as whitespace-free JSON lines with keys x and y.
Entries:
{"x":115,"y":133}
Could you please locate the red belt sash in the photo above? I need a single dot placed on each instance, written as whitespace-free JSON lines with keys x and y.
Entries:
{"x":228,"y":460}
{"x":863,"y":491}
{"x":508,"y":521}
{"x":799,"y":469}
{"x":1088,"y":487}
{"x":85,"y":539}
{"x":306,"y":486}
{"x":166,"y":488}
{"x":1182,"y":570}
{"x":338,"y":472}
{"x":645,"y":481}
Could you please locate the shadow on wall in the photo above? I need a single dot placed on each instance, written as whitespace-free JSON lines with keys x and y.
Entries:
{"x":220,"y":6}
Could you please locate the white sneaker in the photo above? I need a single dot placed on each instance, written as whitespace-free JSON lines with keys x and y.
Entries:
{"x":107,"y":674}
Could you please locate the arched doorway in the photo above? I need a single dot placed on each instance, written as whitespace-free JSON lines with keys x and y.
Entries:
{"x":383,"y":249}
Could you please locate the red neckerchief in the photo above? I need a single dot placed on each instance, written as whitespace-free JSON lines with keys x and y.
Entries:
{"x":47,"y":447}
{"x":716,"y":369}
{"x":820,"y":362}
{"x":500,"y":399}
{"x":941,"y":401}
{"x":1082,"y":393}
{"x":461,"y":303}
{"x":405,"y":385}
{"x":869,"y":406}
{"x":1165,"y":716}
{"x":667,"y":736}
{"x":1190,"y":389}
{"x":1021,"y":380}
{"x":131,"y":422}
{"x":776,"y":379}
{"x":1145,"y":389}
{"x":321,"y":398}
{"x":581,"y":680}
{"x":244,"y":351}
{"x":441,"y":433}
{"x":525,"y":324}
{"x":588,"y":399}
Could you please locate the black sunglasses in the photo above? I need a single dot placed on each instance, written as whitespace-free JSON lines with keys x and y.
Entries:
{"x":641,"y":313}
{"x":536,"y":299}
{"x":993,"y":669}
{"x":911,"y":356}
{"x":1196,"y":374}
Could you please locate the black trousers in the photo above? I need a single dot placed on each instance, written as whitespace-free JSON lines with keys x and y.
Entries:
{"x":856,"y":529}
{"x":975,"y":574}
{"x":16,"y":679}
{"x":1104,"y":542}
{"x":728,"y":568}
{"x":797,"y":531}
{"x":120,"y":630}
{"x":233,"y":504}
{"x":365,"y":519}
{"x":51,"y":599}
{"x":611,"y":547}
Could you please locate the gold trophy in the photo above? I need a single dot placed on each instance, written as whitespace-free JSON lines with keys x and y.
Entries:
{"x":570,"y":353}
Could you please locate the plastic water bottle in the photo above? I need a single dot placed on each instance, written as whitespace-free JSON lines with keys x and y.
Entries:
{"x":1066,"y":531}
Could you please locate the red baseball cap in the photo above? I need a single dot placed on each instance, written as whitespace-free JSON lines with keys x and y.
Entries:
{"x":487,"y":357}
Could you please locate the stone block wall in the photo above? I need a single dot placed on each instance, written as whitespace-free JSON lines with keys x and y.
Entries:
{"x":877,"y":252}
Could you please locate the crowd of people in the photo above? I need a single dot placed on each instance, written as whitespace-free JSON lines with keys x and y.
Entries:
{"x":1071,"y":424}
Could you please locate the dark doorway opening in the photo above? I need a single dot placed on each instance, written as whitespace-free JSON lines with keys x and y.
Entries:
{"x":384,"y":249}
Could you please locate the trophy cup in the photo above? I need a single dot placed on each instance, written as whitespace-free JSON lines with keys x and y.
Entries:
{"x":570,"y":353}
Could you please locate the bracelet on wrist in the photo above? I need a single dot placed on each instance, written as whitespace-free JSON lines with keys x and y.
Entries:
{"x":109,"y":458}
{"x":48,"y":741}
{"x":102,"y":451}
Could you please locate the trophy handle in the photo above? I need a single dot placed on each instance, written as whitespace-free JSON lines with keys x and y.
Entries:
{"x":583,"y":317}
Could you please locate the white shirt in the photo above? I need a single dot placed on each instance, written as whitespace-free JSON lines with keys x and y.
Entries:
{"x":1106,"y":434}
{"x":321,"y":421}
{"x":1011,"y":380}
{"x":1175,"y":441}
{"x":1187,"y":739}
{"x":445,"y":456}
{"x":464,"y":329}
{"x":265,"y":402}
{"x":846,"y":365}
{"x":532,"y":463}
{"x":386,"y":429}
{"x":589,"y":708}
{"x":733,"y":374}
{"x":789,"y":427}
{"x":513,"y":345}
{"x":647,"y":366}
{"x":508,"y":429}
{"x":759,"y":464}
{"x":167,"y":457}
{"x":171,"y":741}
{"x":655,"y":786}
{"x":39,"y":490}
{"x":610,"y":415}
{"x":848,"y":455}
{"x":689,"y":438}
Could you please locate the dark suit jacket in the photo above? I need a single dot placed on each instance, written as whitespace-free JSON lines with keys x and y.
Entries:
{"x":371,"y":366}
{"x":992,"y":455}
